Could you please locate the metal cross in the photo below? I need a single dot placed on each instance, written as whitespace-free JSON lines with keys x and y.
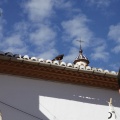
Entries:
{"x":80,"y":43}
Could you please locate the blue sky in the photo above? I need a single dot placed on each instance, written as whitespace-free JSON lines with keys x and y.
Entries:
{"x":47,"y":28}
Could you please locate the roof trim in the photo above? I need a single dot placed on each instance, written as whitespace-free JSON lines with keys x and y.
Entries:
{"x":53,"y":72}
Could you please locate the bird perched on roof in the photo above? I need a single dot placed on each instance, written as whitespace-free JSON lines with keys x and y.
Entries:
{"x":118,"y":77}
{"x":59,"y":57}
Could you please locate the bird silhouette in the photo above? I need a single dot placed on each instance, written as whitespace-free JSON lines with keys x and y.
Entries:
{"x":59,"y":57}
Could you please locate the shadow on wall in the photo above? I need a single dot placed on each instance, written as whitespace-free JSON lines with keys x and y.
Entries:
{"x":80,"y":93}
{"x":24,"y":93}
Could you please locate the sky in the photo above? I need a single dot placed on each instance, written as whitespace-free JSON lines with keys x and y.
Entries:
{"x":47,"y":28}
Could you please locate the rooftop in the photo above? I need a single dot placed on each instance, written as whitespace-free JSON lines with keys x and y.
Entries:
{"x":33,"y":67}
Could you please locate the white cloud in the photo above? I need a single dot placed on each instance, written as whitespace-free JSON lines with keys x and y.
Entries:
{"x":22,"y":27}
{"x":99,"y":48}
{"x":114,"y":32}
{"x":77,"y":28}
{"x":21,"y":40}
{"x":44,"y":35}
{"x":37,"y":36}
{"x":73,"y":53}
{"x":100,"y":53}
{"x":13,"y":44}
{"x":40,"y":34}
{"x":1,"y":30}
{"x":13,"y":40}
{"x":38,"y":10}
{"x":116,"y":49}
{"x":17,"y":50}
{"x":48,"y":54}
{"x":32,"y":36}
{"x":2,"y":23}
{"x":67,"y":7}
{"x":62,"y":4}
{"x":99,"y":3}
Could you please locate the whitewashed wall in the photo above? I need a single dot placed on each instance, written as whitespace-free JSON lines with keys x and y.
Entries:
{"x":53,"y":101}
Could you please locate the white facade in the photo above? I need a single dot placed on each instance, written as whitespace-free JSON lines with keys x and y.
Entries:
{"x":81,"y":63}
{"x":30,"y":99}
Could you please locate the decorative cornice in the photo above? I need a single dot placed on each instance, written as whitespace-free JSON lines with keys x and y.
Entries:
{"x":57,"y":73}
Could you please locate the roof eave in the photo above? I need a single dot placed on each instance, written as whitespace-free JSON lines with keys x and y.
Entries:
{"x":49,"y":72}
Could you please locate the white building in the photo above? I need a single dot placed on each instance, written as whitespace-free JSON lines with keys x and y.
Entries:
{"x":37,"y":89}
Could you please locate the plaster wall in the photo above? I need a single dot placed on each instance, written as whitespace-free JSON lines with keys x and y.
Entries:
{"x":31,"y":99}
{"x":81,"y":63}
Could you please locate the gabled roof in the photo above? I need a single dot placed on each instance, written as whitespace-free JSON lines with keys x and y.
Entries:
{"x":55,"y":71}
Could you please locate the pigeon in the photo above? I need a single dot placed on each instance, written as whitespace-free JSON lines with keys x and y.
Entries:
{"x":59,"y":57}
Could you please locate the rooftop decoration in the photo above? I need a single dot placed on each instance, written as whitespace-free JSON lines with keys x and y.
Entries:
{"x":81,"y":59}
{"x":38,"y":68}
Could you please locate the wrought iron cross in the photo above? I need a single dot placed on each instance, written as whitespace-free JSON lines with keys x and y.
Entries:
{"x":80,"y":43}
